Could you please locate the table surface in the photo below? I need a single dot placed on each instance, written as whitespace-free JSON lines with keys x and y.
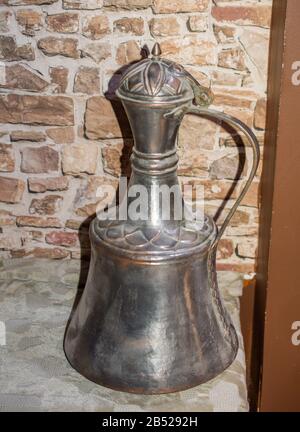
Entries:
{"x":36,"y":297}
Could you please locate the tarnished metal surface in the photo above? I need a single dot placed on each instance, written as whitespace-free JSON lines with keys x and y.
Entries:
{"x":35,"y":305}
{"x":151,"y":319}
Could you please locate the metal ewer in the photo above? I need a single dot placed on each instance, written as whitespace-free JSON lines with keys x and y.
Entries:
{"x":151,"y":319}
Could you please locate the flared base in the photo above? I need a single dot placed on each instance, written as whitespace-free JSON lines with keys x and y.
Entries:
{"x":150,"y":327}
{"x":144,"y":391}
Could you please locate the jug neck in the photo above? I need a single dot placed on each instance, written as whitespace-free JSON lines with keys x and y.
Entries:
{"x":154,"y":163}
{"x":154,"y":128}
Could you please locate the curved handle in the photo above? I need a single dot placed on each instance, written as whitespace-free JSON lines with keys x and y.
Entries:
{"x":236,"y":124}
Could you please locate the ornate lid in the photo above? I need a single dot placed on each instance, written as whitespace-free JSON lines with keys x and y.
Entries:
{"x":160,"y":81}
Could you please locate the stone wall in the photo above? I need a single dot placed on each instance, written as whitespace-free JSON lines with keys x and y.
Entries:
{"x":62,"y":137}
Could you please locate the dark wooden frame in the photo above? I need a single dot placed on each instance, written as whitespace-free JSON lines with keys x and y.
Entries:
{"x":274,"y":301}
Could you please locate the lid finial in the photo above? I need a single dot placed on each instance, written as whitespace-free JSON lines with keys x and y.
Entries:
{"x":156,"y":50}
